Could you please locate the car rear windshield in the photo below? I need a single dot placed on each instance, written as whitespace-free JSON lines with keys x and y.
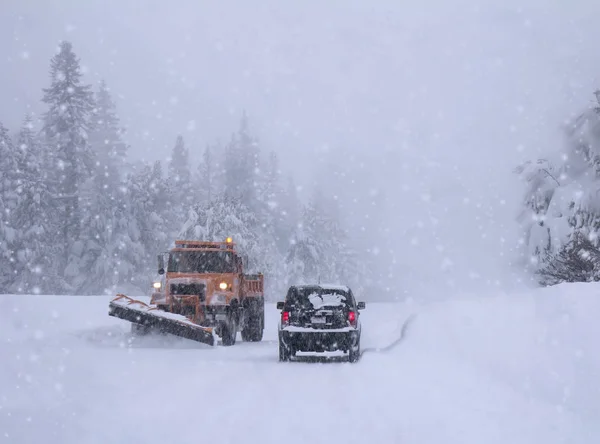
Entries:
{"x":315,"y":298}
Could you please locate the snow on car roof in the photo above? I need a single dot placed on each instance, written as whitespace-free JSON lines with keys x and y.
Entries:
{"x":326,"y":300}
{"x":324,"y":286}
{"x":334,"y":287}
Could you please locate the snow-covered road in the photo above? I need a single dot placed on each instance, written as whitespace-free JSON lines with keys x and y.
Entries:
{"x":502,"y":369}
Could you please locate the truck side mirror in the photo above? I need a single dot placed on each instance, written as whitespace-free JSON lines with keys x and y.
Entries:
{"x":361,"y":305}
{"x":280,"y":305}
{"x":161,"y":264}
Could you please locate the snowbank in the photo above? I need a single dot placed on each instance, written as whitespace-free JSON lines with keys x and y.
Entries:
{"x":542,"y":344}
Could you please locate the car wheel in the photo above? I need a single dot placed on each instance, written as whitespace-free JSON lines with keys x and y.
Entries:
{"x":354,"y":353}
{"x":284,"y":353}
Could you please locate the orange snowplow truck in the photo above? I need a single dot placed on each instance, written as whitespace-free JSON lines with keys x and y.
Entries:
{"x":203,"y":290}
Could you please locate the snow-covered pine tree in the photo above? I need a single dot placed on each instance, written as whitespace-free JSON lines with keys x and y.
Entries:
{"x":309,"y":258}
{"x":231,"y":170}
{"x":324,"y":245}
{"x":304,"y":259}
{"x":577,"y":261}
{"x":147,"y":222}
{"x":179,"y":178}
{"x":66,"y":128}
{"x":290,"y":213}
{"x":104,"y":235}
{"x":207,"y":175}
{"x":227,"y":216}
{"x":241,"y":166}
{"x":542,"y":182}
{"x":249,"y":152}
{"x":36,"y":218}
{"x":224,"y":217}
{"x":269,"y":197}
{"x":583,"y":135}
{"x":561,"y":203}
{"x":106,"y":140}
{"x":257,"y":189}
{"x":9,"y":176}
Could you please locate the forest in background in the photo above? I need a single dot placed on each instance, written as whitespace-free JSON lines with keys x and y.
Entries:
{"x":79,"y":216}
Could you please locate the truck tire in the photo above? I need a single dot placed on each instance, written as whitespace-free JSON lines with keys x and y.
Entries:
{"x":229,"y":332}
{"x":253,"y":330}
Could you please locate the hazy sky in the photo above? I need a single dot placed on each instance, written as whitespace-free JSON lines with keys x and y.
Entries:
{"x":440,"y":98}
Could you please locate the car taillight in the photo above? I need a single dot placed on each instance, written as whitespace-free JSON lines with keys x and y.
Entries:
{"x":352,"y":318}
{"x":285,"y":318}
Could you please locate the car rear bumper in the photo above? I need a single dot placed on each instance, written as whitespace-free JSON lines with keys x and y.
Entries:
{"x":319,"y":341}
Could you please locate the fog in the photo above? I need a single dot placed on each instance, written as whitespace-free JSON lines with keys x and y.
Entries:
{"x":439,"y":100}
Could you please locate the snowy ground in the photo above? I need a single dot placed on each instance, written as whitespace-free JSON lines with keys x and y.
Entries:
{"x":501,"y":369}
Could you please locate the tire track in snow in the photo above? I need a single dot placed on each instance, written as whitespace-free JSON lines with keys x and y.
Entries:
{"x":403,"y":332}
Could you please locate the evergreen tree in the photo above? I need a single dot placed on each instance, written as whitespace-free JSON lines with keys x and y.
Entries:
{"x":320,"y":250}
{"x":308,"y":259}
{"x":36,"y":218}
{"x":231,"y":169}
{"x":227,"y":217}
{"x":269,"y":199}
{"x":577,"y":261}
{"x":66,"y":127}
{"x":542,"y":183}
{"x":149,"y":230}
{"x":207,"y":175}
{"x":290,"y":213}
{"x":304,"y":261}
{"x":249,"y":153}
{"x":180,"y":177}
{"x":561,"y":209}
{"x":106,"y":140}
{"x":583,"y":142}
{"x":104,"y":236}
{"x":242,"y":166}
{"x":8,"y":203}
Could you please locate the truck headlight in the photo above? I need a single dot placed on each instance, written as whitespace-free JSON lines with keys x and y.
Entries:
{"x":157,"y":285}
{"x":223,"y":285}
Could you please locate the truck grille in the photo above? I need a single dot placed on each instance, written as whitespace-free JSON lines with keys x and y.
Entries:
{"x":189,"y":290}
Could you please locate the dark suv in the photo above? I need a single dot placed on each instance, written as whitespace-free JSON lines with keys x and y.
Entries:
{"x":319,"y":318}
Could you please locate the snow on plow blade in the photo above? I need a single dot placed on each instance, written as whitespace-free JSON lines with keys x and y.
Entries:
{"x":123,"y":307}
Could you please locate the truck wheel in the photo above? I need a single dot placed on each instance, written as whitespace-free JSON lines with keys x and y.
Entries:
{"x":229,"y":332}
{"x":253,"y":330}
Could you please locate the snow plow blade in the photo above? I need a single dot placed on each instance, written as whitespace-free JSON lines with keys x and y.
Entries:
{"x":128,"y":309}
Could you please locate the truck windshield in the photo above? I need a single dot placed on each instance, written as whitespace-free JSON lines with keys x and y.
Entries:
{"x":201,"y":262}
